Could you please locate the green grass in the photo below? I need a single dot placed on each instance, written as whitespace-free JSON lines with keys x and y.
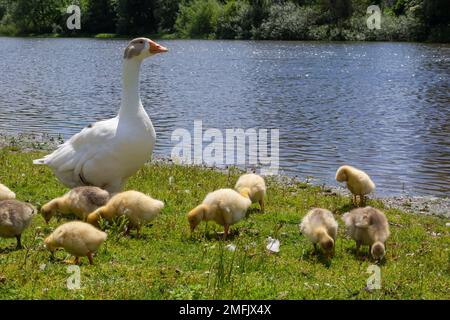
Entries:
{"x":167,"y":263}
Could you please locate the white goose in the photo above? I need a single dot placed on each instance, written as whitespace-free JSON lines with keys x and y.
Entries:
{"x":105,"y":154}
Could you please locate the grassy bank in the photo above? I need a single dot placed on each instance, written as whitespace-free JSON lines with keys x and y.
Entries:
{"x":166,"y":263}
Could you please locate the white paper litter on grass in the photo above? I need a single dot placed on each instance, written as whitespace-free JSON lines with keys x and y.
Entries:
{"x":274,"y":245}
{"x":231,"y":247}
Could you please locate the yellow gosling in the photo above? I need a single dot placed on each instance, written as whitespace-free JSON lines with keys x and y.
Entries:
{"x":358,"y":182}
{"x":321,"y":228}
{"x":79,"y":201}
{"x":256,"y":188}
{"x":224,"y":206}
{"x":78,"y":238}
{"x":136,"y":206}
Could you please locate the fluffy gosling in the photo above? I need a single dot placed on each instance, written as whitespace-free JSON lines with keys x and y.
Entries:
{"x":368,"y":226}
{"x":321,"y":228}
{"x":256,"y":188}
{"x":15,"y":217}
{"x":136,"y":206}
{"x":358,"y":182}
{"x":77,"y":238}
{"x":80,"y":201}
{"x":224,"y":206}
{"x":5,"y":193}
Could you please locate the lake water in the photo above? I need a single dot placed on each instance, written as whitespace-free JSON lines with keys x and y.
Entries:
{"x":383,"y":107}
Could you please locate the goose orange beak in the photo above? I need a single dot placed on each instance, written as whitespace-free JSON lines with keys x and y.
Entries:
{"x":156,"y":48}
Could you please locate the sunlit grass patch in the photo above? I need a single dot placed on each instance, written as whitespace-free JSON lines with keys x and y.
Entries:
{"x":167,"y":262}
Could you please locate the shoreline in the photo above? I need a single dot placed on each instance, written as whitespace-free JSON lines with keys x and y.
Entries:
{"x":173,"y":36}
{"x":414,"y":204}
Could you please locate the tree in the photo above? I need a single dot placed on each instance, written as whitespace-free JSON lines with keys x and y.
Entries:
{"x":136,"y":17}
{"x":166,"y":14}
{"x":198,"y":19}
{"x":337,"y":9}
{"x":38,"y":16}
{"x":100,"y":17}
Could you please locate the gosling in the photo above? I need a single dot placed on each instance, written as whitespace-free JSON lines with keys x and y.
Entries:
{"x":368,"y":226}
{"x":321,"y":228}
{"x":358,"y":182}
{"x":5,"y":193}
{"x":136,"y":206}
{"x":224,"y":206}
{"x":78,"y":238}
{"x":15,"y":217}
{"x":80,"y":201}
{"x":256,"y":188}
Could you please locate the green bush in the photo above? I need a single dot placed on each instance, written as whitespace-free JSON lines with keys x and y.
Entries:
{"x":320,"y":32}
{"x":8,"y":30}
{"x":288,"y":21}
{"x":234,"y":22}
{"x":198,"y":19}
{"x":402,"y":28}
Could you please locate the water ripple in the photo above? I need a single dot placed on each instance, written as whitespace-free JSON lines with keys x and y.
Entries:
{"x":384,"y":107}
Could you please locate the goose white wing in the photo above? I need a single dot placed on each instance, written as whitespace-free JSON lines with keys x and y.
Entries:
{"x":67,"y":161}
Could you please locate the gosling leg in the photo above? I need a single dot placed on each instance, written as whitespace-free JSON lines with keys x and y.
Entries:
{"x":77,"y":260}
{"x":261,"y":205}
{"x":226,"y":228}
{"x":91,"y":260}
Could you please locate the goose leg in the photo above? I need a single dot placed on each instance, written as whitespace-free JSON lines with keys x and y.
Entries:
{"x":358,"y":244}
{"x":138,"y":229}
{"x":128,"y":229}
{"x":77,"y":260}
{"x":19,"y":242}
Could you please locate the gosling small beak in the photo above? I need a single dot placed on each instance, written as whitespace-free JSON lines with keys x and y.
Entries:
{"x":156,"y":48}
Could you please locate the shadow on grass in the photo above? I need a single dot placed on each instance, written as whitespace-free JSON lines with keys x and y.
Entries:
{"x":218,"y":236}
{"x":364,"y":255}
{"x":345,"y":208}
{"x":10,"y":249}
{"x":253,"y":210}
{"x":206,"y":235}
{"x":314,"y":255}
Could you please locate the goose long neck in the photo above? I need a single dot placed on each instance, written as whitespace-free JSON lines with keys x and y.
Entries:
{"x":131,"y":100}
